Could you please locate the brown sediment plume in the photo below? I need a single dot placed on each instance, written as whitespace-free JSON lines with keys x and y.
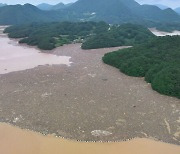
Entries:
{"x":17,"y":141}
{"x":14,"y":57}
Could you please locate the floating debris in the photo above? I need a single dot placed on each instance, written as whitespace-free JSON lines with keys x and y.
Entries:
{"x":100,"y":133}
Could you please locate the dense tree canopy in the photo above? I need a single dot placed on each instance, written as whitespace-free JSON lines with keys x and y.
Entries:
{"x":50,"y":35}
{"x":158,"y":61}
{"x":126,"y":34}
{"x":93,"y":35}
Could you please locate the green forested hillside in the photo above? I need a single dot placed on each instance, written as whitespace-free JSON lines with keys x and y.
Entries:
{"x":126,"y":34}
{"x":93,"y":35}
{"x":21,"y":14}
{"x":158,"y":61}
{"x":27,"y":13}
{"x":121,"y":11}
{"x":110,"y":11}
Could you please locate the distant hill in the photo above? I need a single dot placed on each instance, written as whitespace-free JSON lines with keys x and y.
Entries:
{"x":59,"y":6}
{"x":162,"y":7}
{"x":118,"y":11}
{"x":44,"y":6}
{"x":47,"y":7}
{"x":1,"y":4}
{"x":21,"y":14}
{"x":111,"y":11}
{"x":177,"y":10}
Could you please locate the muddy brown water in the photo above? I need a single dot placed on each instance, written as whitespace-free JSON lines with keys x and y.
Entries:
{"x":162,"y":33}
{"x":16,"y":141}
{"x":87,"y":101}
{"x":14,"y":57}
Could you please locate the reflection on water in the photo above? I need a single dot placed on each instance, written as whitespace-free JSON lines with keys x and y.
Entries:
{"x":16,"y":58}
{"x":16,"y":141}
{"x":161,"y":33}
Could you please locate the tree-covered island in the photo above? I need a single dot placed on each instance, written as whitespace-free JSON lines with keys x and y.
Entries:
{"x":92,"y":35}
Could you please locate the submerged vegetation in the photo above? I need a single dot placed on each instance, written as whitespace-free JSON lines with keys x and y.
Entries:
{"x":93,"y":35}
{"x":158,"y":61}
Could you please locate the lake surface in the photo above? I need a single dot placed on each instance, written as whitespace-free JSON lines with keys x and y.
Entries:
{"x":16,"y":141}
{"x":161,"y":33}
{"x":14,"y":57}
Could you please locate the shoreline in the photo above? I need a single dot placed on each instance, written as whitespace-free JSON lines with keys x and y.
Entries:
{"x":53,"y":135}
{"x":29,"y":142}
